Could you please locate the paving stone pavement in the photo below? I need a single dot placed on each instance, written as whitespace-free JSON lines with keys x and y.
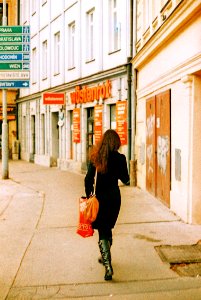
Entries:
{"x":42,"y":257}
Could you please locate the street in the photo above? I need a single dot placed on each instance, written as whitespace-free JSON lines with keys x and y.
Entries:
{"x":42,"y":257}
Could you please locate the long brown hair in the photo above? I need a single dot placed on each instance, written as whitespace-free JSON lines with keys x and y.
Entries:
{"x":100,"y":153}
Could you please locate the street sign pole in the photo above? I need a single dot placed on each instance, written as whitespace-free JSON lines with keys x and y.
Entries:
{"x":5,"y":124}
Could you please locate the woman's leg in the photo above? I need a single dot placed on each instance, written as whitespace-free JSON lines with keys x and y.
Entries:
{"x":105,"y":242}
{"x":105,"y":234}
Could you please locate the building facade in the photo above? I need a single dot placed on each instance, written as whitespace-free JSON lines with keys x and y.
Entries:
{"x":168,"y":111}
{"x":12,"y":20}
{"x":80,"y":52}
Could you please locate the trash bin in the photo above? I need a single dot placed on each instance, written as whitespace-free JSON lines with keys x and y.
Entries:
{"x":15,"y":150}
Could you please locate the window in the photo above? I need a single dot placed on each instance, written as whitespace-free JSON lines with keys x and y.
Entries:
{"x":33,"y":6}
{"x":1,"y":13}
{"x":147,"y":14}
{"x":90,"y":35}
{"x":44,"y":60}
{"x":71,"y":38}
{"x":42,"y":133}
{"x":114,"y":27}
{"x":57,"y":53}
{"x":34,"y":65}
{"x":113,"y":116}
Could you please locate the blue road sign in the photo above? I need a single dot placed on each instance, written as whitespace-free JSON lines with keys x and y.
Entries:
{"x":14,"y":84}
{"x":14,"y":56}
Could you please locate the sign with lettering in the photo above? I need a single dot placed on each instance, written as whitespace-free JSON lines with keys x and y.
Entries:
{"x":14,"y":55}
{"x":121,"y":120}
{"x":89,"y":94}
{"x":11,"y":112}
{"x":53,"y":98}
{"x":76,"y":125}
{"x":98,"y":122}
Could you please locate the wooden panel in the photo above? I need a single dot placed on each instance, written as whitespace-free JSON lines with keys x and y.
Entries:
{"x":150,"y":146}
{"x":163,"y":146}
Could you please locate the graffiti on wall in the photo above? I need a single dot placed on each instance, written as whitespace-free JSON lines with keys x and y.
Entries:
{"x":162,"y":151}
{"x":149,"y":158}
{"x":150,"y":125}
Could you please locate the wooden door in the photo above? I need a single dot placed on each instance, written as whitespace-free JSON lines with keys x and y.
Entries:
{"x":163,"y":147}
{"x":150,"y":146}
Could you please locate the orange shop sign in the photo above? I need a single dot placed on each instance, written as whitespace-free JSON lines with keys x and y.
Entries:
{"x":76,"y":125}
{"x":121,"y":119}
{"x":53,"y":98}
{"x":89,"y":94}
{"x":98,"y":124}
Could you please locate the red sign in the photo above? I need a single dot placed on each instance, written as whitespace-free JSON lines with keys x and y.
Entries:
{"x":98,"y":112}
{"x":121,"y":119}
{"x":53,"y":98}
{"x":88,"y":94}
{"x":76,"y":125}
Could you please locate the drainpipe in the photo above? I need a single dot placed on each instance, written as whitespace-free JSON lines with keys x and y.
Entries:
{"x":131,"y":75}
{"x":18,"y":92}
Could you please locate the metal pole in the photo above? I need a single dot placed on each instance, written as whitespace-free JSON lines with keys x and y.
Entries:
{"x":5,"y":124}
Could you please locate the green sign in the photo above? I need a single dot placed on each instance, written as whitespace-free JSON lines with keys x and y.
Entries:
{"x":14,"y":66}
{"x":14,"y":39}
{"x":14,"y":29}
{"x":15,"y":48}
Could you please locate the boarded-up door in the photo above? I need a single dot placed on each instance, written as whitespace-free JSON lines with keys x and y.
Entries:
{"x":158,"y":146}
{"x":150,"y":146}
{"x":163,"y":146}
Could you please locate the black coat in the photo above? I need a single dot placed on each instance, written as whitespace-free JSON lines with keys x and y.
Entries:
{"x":107,"y":189}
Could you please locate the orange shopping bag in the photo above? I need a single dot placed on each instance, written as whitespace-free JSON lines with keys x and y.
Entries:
{"x":84,"y":226}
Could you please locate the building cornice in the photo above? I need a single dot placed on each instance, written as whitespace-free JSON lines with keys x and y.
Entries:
{"x":175,"y":22}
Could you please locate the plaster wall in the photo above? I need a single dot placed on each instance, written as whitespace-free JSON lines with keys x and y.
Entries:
{"x":173,"y":57}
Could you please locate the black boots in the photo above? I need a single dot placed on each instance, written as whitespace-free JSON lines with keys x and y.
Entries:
{"x":104,"y":246}
{"x":100,"y":259}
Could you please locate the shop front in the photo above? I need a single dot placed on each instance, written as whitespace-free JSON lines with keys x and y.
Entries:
{"x":55,"y":132}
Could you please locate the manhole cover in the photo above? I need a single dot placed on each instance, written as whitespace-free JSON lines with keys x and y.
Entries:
{"x":192,"y":270}
{"x":180,"y":254}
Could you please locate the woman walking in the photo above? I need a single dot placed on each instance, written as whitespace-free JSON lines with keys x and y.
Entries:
{"x":111,"y":166}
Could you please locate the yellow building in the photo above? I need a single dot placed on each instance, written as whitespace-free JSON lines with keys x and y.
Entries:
{"x":12,"y":20}
{"x":168,"y":104}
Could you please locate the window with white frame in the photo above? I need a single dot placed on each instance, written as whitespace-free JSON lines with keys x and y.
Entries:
{"x":114,"y":27}
{"x":147,"y":13}
{"x":57,"y":53}
{"x":90,"y":35}
{"x":34,"y":65}
{"x":71,"y":47}
{"x":44,"y":59}
{"x":33,"y":6}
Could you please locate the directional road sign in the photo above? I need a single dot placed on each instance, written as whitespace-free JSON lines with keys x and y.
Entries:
{"x":15,"y":75}
{"x":14,"y":66}
{"x":14,"y":84}
{"x":15,"y":48}
{"x":14,"y":57}
{"x":15,"y":29}
{"x":15,"y":39}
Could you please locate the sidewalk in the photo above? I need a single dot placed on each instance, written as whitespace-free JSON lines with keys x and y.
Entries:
{"x":42,"y":257}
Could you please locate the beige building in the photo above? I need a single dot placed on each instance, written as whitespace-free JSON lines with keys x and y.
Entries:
{"x":12,"y":20}
{"x":168,"y":103}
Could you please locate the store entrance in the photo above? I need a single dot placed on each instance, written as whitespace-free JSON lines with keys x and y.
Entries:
{"x":90,"y":131}
{"x":33,"y":144}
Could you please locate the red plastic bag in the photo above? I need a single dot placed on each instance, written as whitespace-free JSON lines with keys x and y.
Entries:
{"x":84,"y":226}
